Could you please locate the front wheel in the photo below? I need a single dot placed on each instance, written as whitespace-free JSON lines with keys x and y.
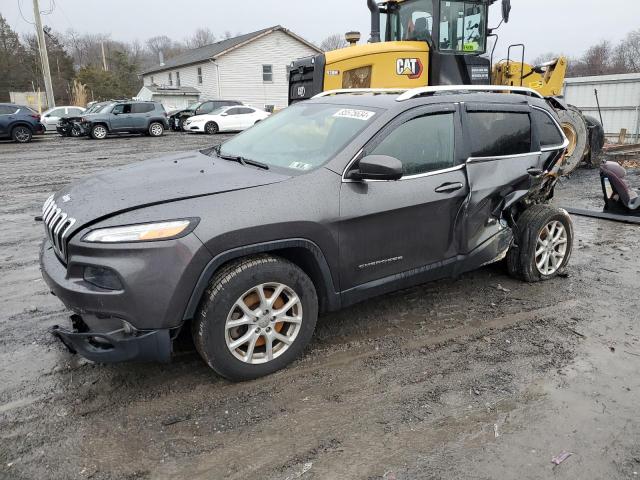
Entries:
{"x":543,"y":245}
{"x":256,"y":317}
{"x":156,"y":129}
{"x":99,"y":132}
{"x":211,"y":128}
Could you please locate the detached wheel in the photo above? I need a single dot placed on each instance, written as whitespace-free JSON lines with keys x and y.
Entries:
{"x":574,"y":127}
{"x":99,"y":132}
{"x":75,"y":132}
{"x":256,"y":317}
{"x":21,"y":134}
{"x":156,"y":129}
{"x":211,"y":128}
{"x":544,"y":244}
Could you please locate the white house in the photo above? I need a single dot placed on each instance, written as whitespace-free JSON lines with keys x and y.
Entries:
{"x":251,"y":68}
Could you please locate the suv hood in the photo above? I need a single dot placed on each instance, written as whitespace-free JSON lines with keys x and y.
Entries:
{"x":167,"y":179}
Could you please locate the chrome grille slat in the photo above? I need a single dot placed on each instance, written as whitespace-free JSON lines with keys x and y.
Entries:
{"x":58,"y":225}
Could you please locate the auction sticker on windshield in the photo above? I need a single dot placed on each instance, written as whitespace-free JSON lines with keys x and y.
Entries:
{"x":353,"y":113}
{"x":300,"y":166}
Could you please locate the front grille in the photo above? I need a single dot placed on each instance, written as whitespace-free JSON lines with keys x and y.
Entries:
{"x":57,"y":226}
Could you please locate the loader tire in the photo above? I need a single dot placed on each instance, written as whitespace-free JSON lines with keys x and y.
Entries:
{"x":575,"y":129}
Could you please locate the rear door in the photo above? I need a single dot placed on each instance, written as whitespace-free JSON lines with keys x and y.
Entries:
{"x":395,"y":229}
{"x":504,"y":155}
{"x":233,"y":119}
{"x":141,"y":115}
{"x":51,"y":119}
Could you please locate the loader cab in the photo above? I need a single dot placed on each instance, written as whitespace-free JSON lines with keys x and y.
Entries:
{"x":457,"y":27}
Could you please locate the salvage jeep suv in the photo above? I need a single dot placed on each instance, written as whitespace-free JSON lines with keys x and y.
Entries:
{"x":149,"y":118}
{"x":323,"y":205}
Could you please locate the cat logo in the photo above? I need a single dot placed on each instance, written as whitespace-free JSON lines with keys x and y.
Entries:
{"x":302,"y":91}
{"x":410,"y":67}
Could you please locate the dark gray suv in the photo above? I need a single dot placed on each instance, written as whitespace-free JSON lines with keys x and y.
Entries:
{"x":323,"y":205}
{"x":149,"y":118}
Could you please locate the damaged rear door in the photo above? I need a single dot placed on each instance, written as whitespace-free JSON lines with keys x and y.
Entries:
{"x":504,"y":158}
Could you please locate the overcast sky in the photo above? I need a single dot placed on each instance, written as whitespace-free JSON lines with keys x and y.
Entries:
{"x":568,"y":26}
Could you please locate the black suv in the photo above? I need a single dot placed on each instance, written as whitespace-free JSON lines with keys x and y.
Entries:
{"x":149,"y":118}
{"x":19,"y":123}
{"x":323,"y":205}
{"x":177,"y":118}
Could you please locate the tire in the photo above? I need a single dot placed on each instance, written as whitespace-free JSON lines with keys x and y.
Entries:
{"x":211,"y":128}
{"x":156,"y":129}
{"x":575,"y":129}
{"x":99,"y":132}
{"x":21,"y":134}
{"x":522,"y":261}
{"x":238,"y":282}
{"x":75,"y":132}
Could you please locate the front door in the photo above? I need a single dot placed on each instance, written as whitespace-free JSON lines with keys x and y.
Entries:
{"x":394,"y":230}
{"x":233,"y":119}
{"x":120,"y":117}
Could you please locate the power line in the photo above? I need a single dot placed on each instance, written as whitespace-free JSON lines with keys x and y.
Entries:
{"x":21,"y":14}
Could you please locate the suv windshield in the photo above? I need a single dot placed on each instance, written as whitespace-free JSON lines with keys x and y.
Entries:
{"x":463,"y":27}
{"x":302,"y":137}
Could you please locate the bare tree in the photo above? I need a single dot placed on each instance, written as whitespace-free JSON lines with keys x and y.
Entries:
{"x":333,"y":42}
{"x":627,"y":54}
{"x":164,"y":44}
{"x":200,"y":38}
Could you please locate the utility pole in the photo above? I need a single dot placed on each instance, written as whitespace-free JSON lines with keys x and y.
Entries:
{"x":44,"y":56}
{"x":104,"y":58}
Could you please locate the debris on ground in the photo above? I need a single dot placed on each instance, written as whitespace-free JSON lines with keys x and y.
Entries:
{"x":558,"y":459}
{"x":502,"y":289}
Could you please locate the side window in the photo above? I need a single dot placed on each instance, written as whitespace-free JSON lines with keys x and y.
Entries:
{"x":142,"y":108}
{"x":267,"y":73}
{"x":423,"y":144}
{"x":206,"y":107}
{"x":58,"y":112}
{"x":548,"y":131}
{"x":497,"y":134}
{"x":122,"y":108}
{"x":74,"y":111}
{"x":234,"y":111}
{"x":245,"y":110}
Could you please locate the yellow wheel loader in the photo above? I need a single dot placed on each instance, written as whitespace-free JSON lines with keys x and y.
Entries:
{"x":417,"y":43}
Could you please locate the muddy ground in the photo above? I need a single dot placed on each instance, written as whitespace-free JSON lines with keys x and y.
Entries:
{"x":482,"y":377}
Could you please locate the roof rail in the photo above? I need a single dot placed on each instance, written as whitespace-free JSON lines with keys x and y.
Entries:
{"x":416,"y":92}
{"x":360,"y":91}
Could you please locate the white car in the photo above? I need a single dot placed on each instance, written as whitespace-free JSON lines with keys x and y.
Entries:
{"x":50,"y":117}
{"x":234,"y":118}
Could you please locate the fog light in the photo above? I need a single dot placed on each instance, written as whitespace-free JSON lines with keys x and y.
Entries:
{"x":102,"y":277}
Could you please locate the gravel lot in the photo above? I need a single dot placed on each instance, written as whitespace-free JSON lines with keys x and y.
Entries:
{"x":482,"y":377}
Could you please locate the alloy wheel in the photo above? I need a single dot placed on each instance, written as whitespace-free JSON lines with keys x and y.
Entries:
{"x":263,"y":323}
{"x":156,"y":129}
{"x":22,"y":134}
{"x":551,"y":248}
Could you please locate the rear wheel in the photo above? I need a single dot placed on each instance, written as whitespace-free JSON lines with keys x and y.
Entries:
{"x":544,"y":244}
{"x":21,"y":134}
{"x":156,"y":129}
{"x":211,"y":128}
{"x":256,"y":317}
{"x":575,"y":129}
{"x":99,"y":132}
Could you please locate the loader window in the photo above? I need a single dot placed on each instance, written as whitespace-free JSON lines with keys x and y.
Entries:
{"x":463,"y":27}
{"x":497,"y":134}
{"x":411,"y":20}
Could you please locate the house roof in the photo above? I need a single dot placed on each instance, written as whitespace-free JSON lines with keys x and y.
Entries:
{"x":215,"y":50}
{"x":164,"y":90}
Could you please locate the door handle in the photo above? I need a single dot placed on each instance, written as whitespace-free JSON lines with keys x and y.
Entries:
{"x":535,"y":172}
{"x":449,"y":187}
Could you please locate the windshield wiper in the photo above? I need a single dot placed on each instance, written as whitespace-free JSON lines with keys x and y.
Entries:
{"x":239,"y":159}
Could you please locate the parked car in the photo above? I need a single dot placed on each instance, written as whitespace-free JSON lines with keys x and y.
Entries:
{"x":51,"y":117}
{"x":71,"y":126}
{"x":126,"y":117}
{"x":19,"y":123}
{"x":177,"y":118}
{"x":226,"y":119}
{"x":328,"y":203}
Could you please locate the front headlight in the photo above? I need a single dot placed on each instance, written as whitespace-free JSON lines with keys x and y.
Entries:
{"x":146,"y":232}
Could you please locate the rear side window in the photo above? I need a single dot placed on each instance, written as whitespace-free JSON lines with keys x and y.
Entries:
{"x":142,"y":107}
{"x":497,"y":134}
{"x":423,"y":144}
{"x":548,"y":131}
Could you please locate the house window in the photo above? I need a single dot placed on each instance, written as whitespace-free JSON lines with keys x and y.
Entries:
{"x":177,"y":79}
{"x":170,"y":79}
{"x":199,"y":75}
{"x":267,"y":73}
{"x":152,"y":80}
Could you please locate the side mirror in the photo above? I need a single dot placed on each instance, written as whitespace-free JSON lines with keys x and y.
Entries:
{"x":506,"y":10}
{"x":377,"y":167}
